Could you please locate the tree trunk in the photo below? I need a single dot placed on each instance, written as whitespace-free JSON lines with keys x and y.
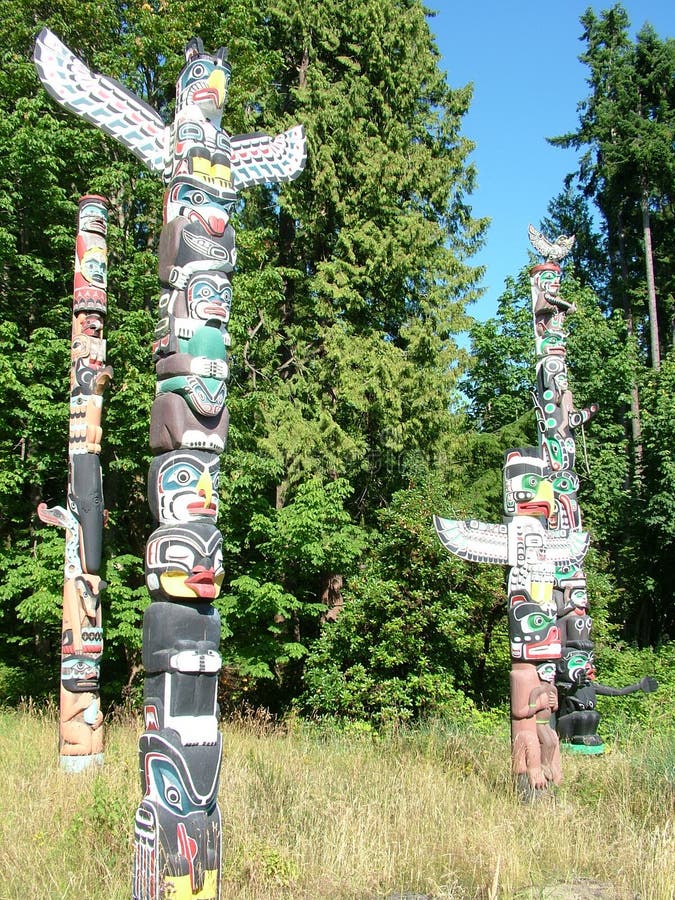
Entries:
{"x":651,"y":284}
{"x":332,"y":596}
{"x":635,"y":418}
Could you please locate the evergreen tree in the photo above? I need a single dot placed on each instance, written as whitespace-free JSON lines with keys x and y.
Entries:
{"x":350,"y":285}
{"x":627,"y":169}
{"x":359,"y":283}
{"x":626,"y":126}
{"x":570,"y":212}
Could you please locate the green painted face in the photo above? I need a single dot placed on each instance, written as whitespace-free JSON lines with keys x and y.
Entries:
{"x":579,"y":666}
{"x":579,"y":598}
{"x":549,"y":281}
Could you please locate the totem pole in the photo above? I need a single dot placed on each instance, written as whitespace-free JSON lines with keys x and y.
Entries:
{"x":577,"y":718}
{"x":178,"y":830}
{"x":540,"y":540}
{"x":557,"y":418}
{"x":80,"y":720}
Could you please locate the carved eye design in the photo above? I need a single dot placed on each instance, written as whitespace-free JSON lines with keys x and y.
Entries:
{"x":180,"y":476}
{"x":198,"y":70}
{"x":182,"y":556}
{"x":79,"y":668}
{"x":172,"y":795}
{"x":535,"y":622}
{"x":170,"y":788}
{"x":196,"y":198}
{"x":190,"y":131}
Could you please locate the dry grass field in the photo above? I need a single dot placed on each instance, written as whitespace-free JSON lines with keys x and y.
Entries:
{"x":312,"y":813}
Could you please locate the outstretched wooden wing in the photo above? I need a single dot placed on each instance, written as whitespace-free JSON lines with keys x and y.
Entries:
{"x":553,"y":251}
{"x":262,"y":159}
{"x":101,"y":100}
{"x":473,"y":540}
{"x":567,"y":547}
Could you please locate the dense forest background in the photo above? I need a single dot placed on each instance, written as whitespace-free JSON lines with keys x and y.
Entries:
{"x":355,"y":412}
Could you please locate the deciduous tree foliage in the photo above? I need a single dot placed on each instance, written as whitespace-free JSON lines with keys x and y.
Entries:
{"x":351,"y":284}
{"x":627,"y":169}
{"x":347,"y":422}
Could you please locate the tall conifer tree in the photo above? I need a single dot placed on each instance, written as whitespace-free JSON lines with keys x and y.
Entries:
{"x":350,"y":286}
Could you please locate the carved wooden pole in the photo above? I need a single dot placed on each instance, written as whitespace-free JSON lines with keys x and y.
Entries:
{"x":178,"y":833}
{"x":540,"y":540}
{"x":576,"y":718}
{"x":80,"y":722}
{"x":557,"y":418}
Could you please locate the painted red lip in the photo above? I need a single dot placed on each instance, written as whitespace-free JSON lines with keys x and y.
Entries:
{"x":215,"y":311}
{"x":213,"y":225}
{"x":202,"y":582}
{"x":204,"y":94}
{"x":217,"y":225}
{"x":550,"y":647}
{"x":199,"y":509}
{"x":538,"y":508}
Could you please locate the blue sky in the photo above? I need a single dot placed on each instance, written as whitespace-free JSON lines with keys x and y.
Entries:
{"x":522,"y":58}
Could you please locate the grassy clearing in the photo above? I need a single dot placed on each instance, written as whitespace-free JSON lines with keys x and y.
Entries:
{"x":312,"y":813}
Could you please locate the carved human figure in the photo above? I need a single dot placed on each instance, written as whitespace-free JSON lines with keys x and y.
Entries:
{"x":535,"y":750}
{"x":578,"y":718}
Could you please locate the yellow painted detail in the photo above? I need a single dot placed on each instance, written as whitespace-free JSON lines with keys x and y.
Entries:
{"x":181,"y":888}
{"x":221,"y":172}
{"x":213,"y":173}
{"x":217,"y":81}
{"x":544,"y":492}
{"x":174,"y":584}
{"x":204,"y":485}
{"x":541,"y":592}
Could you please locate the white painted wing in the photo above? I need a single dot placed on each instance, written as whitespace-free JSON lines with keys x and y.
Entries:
{"x":565,"y":547}
{"x":262,"y":159}
{"x":101,"y":100}
{"x":539,"y":241}
{"x":473,"y":540}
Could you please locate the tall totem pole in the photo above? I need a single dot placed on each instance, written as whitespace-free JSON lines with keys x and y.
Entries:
{"x":178,"y":830}
{"x":541,"y":541}
{"x":80,"y":719}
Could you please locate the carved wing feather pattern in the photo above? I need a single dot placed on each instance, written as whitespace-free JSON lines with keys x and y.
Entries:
{"x":473,"y":540}
{"x":567,"y":547}
{"x":553,"y":251}
{"x":101,"y":100}
{"x":261,"y":159}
